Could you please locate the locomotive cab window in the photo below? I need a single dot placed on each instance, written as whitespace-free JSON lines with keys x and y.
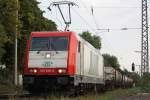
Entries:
{"x":59,"y":43}
{"x":49,"y":44}
{"x":39,"y":43}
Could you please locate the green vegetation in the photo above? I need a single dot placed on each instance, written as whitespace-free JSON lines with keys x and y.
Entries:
{"x":144,"y":83}
{"x":30,"y":19}
{"x":6,"y":88}
{"x":111,"y":61}
{"x":110,"y":95}
{"x":93,"y":40}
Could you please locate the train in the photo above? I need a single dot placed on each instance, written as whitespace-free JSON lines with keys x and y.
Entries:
{"x":65,"y":61}
{"x":116,"y":79}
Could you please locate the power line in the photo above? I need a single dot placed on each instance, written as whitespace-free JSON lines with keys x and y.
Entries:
{"x":97,"y":33}
{"x":115,"y":7}
{"x":103,"y":7}
{"x":111,"y":29}
{"x":84,"y":20}
{"x":93,"y":15}
{"x":92,"y":11}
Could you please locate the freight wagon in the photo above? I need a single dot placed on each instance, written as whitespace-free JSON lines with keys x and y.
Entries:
{"x":116,"y":79}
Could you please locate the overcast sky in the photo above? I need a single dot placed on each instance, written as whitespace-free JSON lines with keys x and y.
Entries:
{"x":112,"y":14}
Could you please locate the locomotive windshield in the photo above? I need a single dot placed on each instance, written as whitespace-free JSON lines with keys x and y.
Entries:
{"x":49,"y":44}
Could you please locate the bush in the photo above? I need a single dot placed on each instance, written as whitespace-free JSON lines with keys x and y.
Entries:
{"x":144,"y":82}
{"x":6,"y":77}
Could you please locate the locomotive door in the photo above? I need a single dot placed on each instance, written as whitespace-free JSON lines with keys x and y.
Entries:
{"x":80,"y":59}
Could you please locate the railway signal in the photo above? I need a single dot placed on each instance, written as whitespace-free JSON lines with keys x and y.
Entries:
{"x":133,"y":67}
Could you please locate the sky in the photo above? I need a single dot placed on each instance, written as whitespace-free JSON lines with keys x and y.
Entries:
{"x":107,"y":14}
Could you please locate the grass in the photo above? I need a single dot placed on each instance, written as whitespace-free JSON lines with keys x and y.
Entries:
{"x":110,"y":95}
{"x":5,"y":88}
{"x":113,"y":95}
{"x":10,"y":88}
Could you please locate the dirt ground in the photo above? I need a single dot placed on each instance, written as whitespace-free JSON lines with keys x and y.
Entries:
{"x":140,"y":96}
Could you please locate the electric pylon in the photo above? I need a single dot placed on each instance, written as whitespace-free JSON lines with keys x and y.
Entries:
{"x":144,"y":40}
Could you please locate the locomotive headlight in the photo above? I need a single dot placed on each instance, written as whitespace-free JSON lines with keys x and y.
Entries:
{"x":60,"y":71}
{"x":35,"y":71}
{"x":48,"y":55}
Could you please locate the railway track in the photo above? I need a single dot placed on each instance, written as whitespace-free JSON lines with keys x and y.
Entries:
{"x":23,"y":96}
{"x":13,"y":95}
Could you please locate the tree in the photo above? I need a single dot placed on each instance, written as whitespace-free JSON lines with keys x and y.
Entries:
{"x":143,"y":83}
{"x":30,"y":19}
{"x":93,"y":40}
{"x":111,"y":61}
{"x":126,"y":72}
{"x":2,"y":39}
{"x":7,"y":30}
{"x":7,"y":25}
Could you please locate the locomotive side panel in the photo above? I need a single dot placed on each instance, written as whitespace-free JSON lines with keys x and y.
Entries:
{"x":89,"y":63}
{"x":101,"y":68}
{"x":72,"y":54}
{"x":78,"y":59}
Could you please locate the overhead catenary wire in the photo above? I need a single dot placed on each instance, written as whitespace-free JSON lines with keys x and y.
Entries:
{"x":109,"y":29}
{"x":103,"y":7}
{"x":84,"y":20}
{"x":96,"y":24}
{"x":95,"y":21}
{"x":92,"y":13}
{"x":97,"y":33}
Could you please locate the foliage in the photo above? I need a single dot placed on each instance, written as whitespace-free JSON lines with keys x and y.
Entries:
{"x":125,"y":71}
{"x":93,"y":40}
{"x":30,"y":19}
{"x":7,"y":24}
{"x":111,"y":61}
{"x":6,"y":81}
{"x":133,"y":75}
{"x":144,"y":82}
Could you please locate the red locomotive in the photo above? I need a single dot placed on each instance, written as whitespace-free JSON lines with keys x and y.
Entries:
{"x":62,"y":60}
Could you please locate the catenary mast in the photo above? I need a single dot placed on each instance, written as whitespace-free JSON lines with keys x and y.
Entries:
{"x":144,"y":40}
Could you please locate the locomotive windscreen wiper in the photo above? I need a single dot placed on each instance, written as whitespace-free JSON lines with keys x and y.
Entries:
{"x":54,"y":48}
{"x":39,"y":51}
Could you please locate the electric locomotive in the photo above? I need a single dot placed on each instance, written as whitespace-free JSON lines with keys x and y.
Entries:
{"x":62,"y":60}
